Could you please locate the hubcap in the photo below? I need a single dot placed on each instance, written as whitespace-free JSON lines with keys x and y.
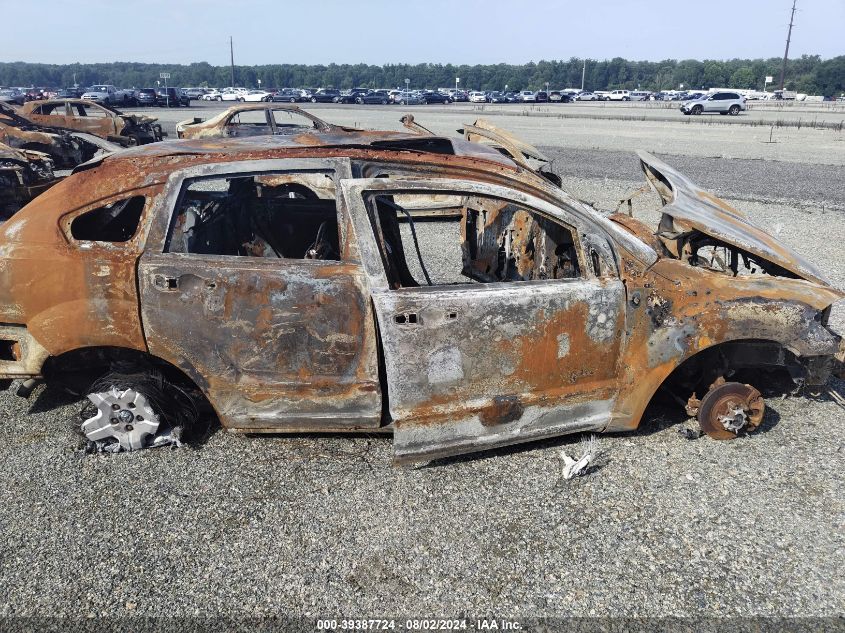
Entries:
{"x":124,"y":415}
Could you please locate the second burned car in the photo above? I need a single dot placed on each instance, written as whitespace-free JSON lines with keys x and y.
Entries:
{"x":283,"y":281}
{"x":100,"y":120}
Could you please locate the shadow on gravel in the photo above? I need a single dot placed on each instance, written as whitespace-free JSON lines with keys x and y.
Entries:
{"x":49,"y":398}
{"x":514,"y":449}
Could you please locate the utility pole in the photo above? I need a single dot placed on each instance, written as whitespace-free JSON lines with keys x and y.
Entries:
{"x":232,"y":59}
{"x":583,"y":73}
{"x":788,"y":37}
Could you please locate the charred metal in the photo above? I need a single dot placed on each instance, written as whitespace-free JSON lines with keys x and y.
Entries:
{"x":284,"y":281}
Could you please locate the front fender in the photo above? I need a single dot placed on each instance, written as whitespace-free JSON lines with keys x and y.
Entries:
{"x":681,"y":311}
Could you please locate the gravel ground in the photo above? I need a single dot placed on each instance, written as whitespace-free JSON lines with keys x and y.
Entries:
{"x":325,"y":526}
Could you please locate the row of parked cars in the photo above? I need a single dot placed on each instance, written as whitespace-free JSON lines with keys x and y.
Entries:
{"x":104,"y":94}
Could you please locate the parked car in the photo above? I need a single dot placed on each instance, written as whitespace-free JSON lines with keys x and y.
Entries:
{"x":541,"y":96}
{"x":108,"y":94}
{"x":287,"y":94}
{"x":722,"y":102}
{"x":618,"y":95}
{"x":253,"y":96}
{"x":213,"y":95}
{"x":270,"y":283}
{"x":196,"y":93}
{"x":34,"y":94}
{"x":430,"y":96}
{"x":10,"y":95}
{"x":477,"y":97}
{"x":374,"y":96}
{"x":497,"y":97}
{"x":640,"y":95}
{"x":527,"y":96}
{"x":586,"y":96}
{"x":99,"y":120}
{"x":328,"y":95}
{"x":233,"y":94}
{"x":246,"y":119}
{"x":409,"y":97}
{"x":146,"y":97}
{"x":171,"y":98}
{"x":69,"y":93}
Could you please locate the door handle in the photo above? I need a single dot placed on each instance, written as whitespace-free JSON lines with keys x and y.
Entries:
{"x":163,"y":282}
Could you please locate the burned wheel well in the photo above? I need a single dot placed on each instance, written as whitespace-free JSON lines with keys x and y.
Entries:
{"x":739,"y":361}
{"x":78,"y":369}
{"x":177,"y":399}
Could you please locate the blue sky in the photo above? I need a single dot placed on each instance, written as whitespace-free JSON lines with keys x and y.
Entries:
{"x":414,"y":31}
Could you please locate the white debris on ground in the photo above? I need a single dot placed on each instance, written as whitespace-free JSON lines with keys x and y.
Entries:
{"x":574,"y":468}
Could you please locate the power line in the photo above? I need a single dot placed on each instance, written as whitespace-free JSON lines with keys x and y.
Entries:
{"x":232,"y":59}
{"x":788,"y":37}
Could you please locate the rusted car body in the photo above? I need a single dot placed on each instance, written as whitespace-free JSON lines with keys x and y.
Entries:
{"x":255,"y":119}
{"x":67,"y":149}
{"x":284,"y":279}
{"x":100,"y":120}
{"x":24,"y":174}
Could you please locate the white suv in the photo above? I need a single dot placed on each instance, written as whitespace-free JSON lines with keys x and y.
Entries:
{"x":722,"y":102}
{"x":618,"y":95}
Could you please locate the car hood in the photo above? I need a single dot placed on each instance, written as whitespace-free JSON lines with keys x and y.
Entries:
{"x":692,"y":208}
{"x":138,"y":119}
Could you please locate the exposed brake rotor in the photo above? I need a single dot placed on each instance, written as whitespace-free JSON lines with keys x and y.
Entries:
{"x":730,"y":408}
{"x":124,"y":415}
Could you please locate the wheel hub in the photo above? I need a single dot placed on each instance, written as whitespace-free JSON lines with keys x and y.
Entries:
{"x":729,"y":408}
{"x":734,"y":420}
{"x":123,"y":415}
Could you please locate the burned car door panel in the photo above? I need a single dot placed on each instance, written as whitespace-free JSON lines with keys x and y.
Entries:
{"x":507,"y":338}
{"x":252,"y":299}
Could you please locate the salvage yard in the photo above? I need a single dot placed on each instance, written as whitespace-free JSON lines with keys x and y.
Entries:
{"x":661,"y":525}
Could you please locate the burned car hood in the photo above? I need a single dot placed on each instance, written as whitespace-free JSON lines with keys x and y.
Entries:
{"x":689,"y":207}
{"x":138,"y":119}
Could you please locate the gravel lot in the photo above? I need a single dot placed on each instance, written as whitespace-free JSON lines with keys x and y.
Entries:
{"x":325,"y":526}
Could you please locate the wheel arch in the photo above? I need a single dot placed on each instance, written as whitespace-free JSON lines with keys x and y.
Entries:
{"x":74,"y":368}
{"x":701,"y":367}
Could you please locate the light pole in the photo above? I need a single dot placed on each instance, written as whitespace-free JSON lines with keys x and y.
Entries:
{"x":259,"y":84}
{"x":457,"y":81}
{"x":407,"y":83}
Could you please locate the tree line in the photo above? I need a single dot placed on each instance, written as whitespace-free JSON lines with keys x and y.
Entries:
{"x":809,"y":74}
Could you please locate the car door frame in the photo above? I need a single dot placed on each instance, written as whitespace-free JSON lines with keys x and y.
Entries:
{"x":262,"y":407}
{"x":436,"y":428}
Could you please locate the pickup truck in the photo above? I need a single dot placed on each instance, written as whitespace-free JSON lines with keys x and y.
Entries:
{"x":109,"y":95}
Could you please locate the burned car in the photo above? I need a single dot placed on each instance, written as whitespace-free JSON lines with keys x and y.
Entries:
{"x":23,"y":175}
{"x":253,"y":119}
{"x":282,"y":281}
{"x":67,"y":149}
{"x":100,"y":120}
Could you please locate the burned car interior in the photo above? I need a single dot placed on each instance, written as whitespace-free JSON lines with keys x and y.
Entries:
{"x":115,"y":222}
{"x":255,"y":216}
{"x":498,"y":241}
